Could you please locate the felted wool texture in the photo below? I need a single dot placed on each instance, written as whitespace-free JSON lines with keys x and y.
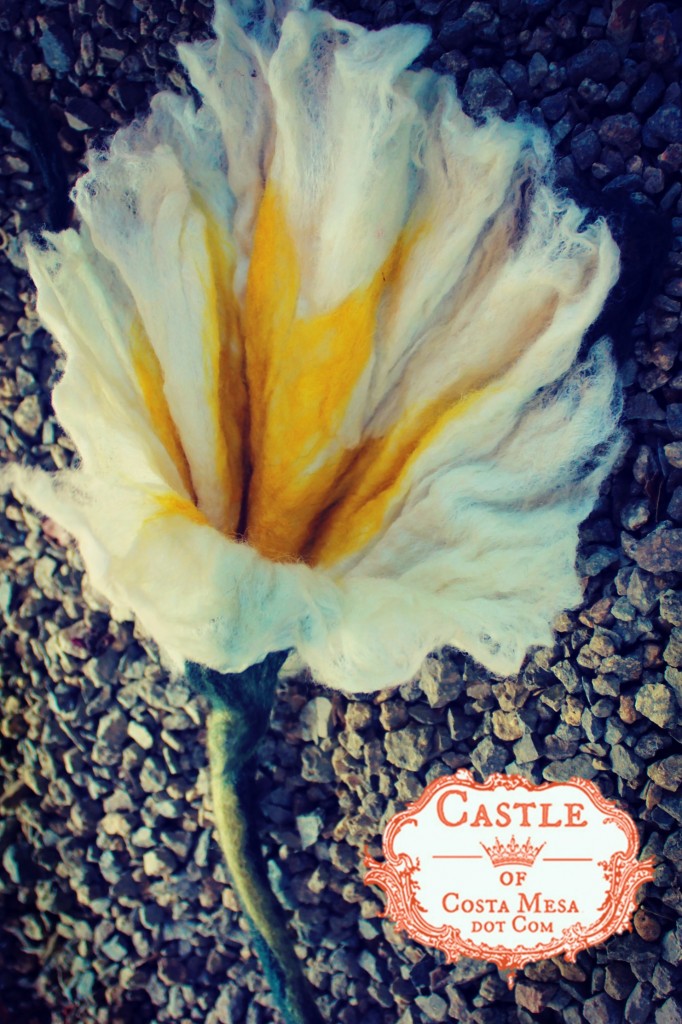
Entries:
{"x":321,"y":338}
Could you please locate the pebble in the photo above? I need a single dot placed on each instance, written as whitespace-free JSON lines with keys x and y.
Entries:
{"x":585,"y":147}
{"x":507,"y":725}
{"x":671,"y":947}
{"x":656,"y":702}
{"x":599,"y":61}
{"x":660,"y":39}
{"x":664,"y":125}
{"x":488,"y":757}
{"x":561,"y":771}
{"x":534,"y":997}
{"x":309,"y":828}
{"x":410,"y":747}
{"x":626,"y":764}
{"x":660,"y":551}
{"x":140,"y":735}
{"x":158,"y":862}
{"x":28,"y":415}
{"x":112,"y":729}
{"x":116,"y":948}
{"x":622,"y":131}
{"x":602,"y":1009}
{"x":484,"y":89}
{"x":639,"y":1004}
{"x":56,"y":44}
{"x":153,"y":776}
{"x":670,"y":1012}
{"x":434,"y":1007}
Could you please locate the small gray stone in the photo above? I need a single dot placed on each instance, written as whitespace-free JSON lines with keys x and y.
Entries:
{"x":639,"y":1003}
{"x":537,"y":69}
{"x":665,"y":979}
{"x":635,"y":514}
{"x":57,"y":46}
{"x":178,"y":842}
{"x":440,"y":683}
{"x":525,"y":749}
{"x":618,"y":980}
{"x":657,"y":703}
{"x":671,"y":607}
{"x":433,"y":1007}
{"x":316,"y":765}
{"x":566,"y":672}
{"x":626,"y":667}
{"x":466,"y":969}
{"x":671,"y":803}
{"x":489,"y":756}
{"x":673,"y":453}
{"x":602,"y":1009}
{"x":28,"y":415}
{"x":484,"y":89}
{"x":626,"y":764}
{"x":621,"y":131}
{"x":158,"y":862}
{"x":165,"y":807}
{"x":358,"y":718}
{"x":672,"y":654}
{"x":599,"y":61}
{"x":309,"y":827}
{"x":369,"y":963}
{"x":665,"y":123}
{"x":507,"y":725}
{"x":561,"y":771}
{"x":533,"y":996}
{"x":585,"y":147}
{"x":671,"y":947}
{"x":315,"y":719}
{"x":660,"y":551}
{"x":667,"y":773}
{"x":113,"y":729}
{"x":642,"y":592}
{"x":410,"y":747}
{"x":140,"y":735}
{"x":43,"y":574}
{"x":516,"y":77}
{"x":153,"y":777}
{"x":672,"y":849}
{"x":143,"y":838}
{"x":670,"y":1012}
{"x":116,"y":948}
{"x":202,"y":848}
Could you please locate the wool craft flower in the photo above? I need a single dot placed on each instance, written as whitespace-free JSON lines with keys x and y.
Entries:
{"x":323,"y":370}
{"x":324,"y":373}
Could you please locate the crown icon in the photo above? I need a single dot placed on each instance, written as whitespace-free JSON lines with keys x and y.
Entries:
{"x":512,"y":853}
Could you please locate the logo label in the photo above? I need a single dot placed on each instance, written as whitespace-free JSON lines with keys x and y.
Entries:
{"x":510,"y":872}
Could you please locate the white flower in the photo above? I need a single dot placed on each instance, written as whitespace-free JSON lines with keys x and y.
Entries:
{"x":322,"y":370}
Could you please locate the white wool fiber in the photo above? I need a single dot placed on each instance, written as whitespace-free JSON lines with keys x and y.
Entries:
{"x":491,"y":437}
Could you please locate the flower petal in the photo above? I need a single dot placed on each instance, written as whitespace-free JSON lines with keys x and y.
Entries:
{"x":330,"y":315}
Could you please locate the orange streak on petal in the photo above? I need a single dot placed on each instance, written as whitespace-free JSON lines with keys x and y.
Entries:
{"x":303,"y":372}
{"x":269,"y":307}
{"x":172,"y":504}
{"x":149,"y":376}
{"x":381,"y":473}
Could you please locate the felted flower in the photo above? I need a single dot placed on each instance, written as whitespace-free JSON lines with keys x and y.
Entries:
{"x":323,"y":362}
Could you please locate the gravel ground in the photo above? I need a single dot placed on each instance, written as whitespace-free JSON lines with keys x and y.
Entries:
{"x":113,"y":902}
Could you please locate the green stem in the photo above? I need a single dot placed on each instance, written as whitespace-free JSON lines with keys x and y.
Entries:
{"x":241,"y":706}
